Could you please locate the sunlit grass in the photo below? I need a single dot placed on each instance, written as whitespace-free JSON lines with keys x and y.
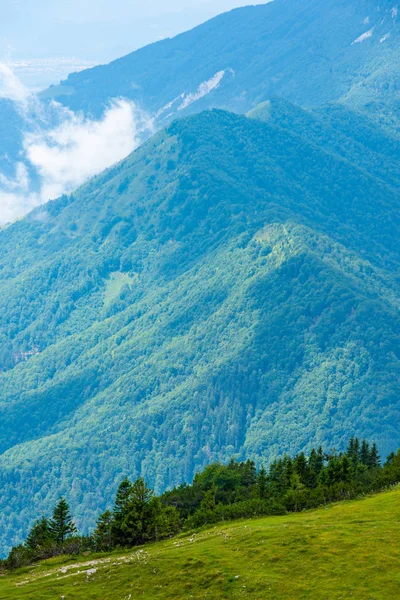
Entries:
{"x":350,"y":550}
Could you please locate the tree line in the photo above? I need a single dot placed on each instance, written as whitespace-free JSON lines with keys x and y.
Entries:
{"x":218,"y":493}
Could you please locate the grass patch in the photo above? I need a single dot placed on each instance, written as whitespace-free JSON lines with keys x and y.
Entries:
{"x":349,"y":550}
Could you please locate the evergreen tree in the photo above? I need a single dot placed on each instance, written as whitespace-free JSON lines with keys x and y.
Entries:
{"x":374,"y":458}
{"x":139,"y":520}
{"x":346,"y":469}
{"x":262,"y":483}
{"x":122,"y":498}
{"x":40,"y":535}
{"x":365,"y":453}
{"x":102,"y":535}
{"x":315,"y":463}
{"x":61,"y":524}
{"x":301,"y":468}
{"x":120,"y":511}
{"x":250,"y":473}
{"x":353,"y":452}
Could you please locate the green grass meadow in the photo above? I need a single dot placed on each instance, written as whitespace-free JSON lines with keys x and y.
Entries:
{"x":349,"y":550}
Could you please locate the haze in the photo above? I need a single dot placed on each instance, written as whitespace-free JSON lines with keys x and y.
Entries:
{"x":43,"y":40}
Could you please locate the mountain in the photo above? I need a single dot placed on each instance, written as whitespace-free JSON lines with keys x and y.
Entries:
{"x":329,"y":553}
{"x":309,"y":52}
{"x":231,"y":288}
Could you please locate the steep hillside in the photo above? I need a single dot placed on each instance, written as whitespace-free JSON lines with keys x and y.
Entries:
{"x":309,"y":52}
{"x":232,"y":284}
{"x":350,"y":550}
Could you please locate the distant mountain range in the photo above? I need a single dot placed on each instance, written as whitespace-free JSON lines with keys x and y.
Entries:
{"x":309,"y":52}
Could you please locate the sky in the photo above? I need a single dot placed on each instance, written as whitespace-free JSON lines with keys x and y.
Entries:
{"x":44,"y":40}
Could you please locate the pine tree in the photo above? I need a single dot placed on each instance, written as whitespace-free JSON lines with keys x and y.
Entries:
{"x":122,"y":498}
{"x":138,"y":524}
{"x":353,"y":452}
{"x":102,"y":535}
{"x":61,"y":524}
{"x":301,"y":468}
{"x":120,"y":511}
{"x":315,"y":463}
{"x":346,"y":469}
{"x":374,"y":458}
{"x":40,"y":535}
{"x":250,"y":473}
{"x":262,"y":483}
{"x":365,"y":453}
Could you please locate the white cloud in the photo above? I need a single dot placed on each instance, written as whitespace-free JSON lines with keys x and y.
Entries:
{"x":65,"y":156}
{"x":10,"y":85}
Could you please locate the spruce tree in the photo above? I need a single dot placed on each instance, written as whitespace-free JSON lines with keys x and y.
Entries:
{"x":61,"y":524}
{"x":139,"y":521}
{"x":120,"y":511}
{"x":40,"y":535}
{"x":315,"y":463}
{"x":365,"y":453}
{"x":374,"y":458}
{"x":102,"y":535}
{"x":346,"y":469}
{"x":301,"y":468}
{"x":262,"y":483}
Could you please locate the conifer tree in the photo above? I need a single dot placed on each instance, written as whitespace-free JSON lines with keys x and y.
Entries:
{"x":301,"y":468}
{"x":102,"y":535}
{"x":139,"y":520}
{"x":122,"y":497}
{"x":315,"y":463}
{"x":365,"y":453}
{"x":262,"y":483}
{"x":374,"y":458}
{"x":61,"y":524}
{"x":250,"y":473}
{"x":346,"y":469}
{"x":120,"y":511}
{"x":40,"y":535}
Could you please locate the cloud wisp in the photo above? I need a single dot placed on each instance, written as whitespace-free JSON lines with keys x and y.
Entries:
{"x":57,"y":159}
{"x":10,"y":86}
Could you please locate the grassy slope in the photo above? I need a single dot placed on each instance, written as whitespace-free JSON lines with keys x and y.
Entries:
{"x":351,"y":549}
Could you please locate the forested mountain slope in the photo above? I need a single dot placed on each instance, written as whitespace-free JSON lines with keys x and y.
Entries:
{"x":309,"y":52}
{"x":230,"y":288}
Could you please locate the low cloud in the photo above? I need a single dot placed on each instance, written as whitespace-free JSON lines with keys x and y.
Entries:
{"x":10,"y":85}
{"x":63,"y":157}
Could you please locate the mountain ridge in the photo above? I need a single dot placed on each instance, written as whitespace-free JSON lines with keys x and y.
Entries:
{"x":228,"y":286}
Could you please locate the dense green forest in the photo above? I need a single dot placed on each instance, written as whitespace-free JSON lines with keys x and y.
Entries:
{"x":218,"y":493}
{"x":231,"y":288}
